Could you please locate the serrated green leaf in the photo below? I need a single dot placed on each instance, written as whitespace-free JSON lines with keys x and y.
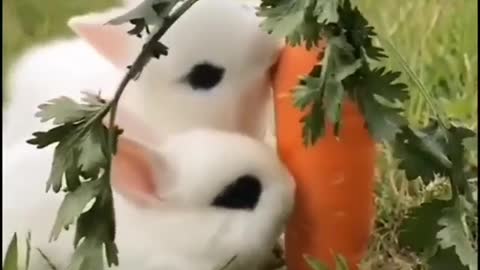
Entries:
{"x":148,"y":12}
{"x":326,"y":11}
{"x":61,"y":110}
{"x":56,"y":134}
{"x":81,"y":146}
{"x":11,"y":257}
{"x":338,"y":64}
{"x":90,"y":148}
{"x":418,"y":231}
{"x":422,"y":154}
{"x":98,"y":223}
{"x":307,"y":92}
{"x":82,"y":152}
{"x":456,"y":151}
{"x":293,"y":19}
{"x":434,"y":140}
{"x":92,"y":100}
{"x":94,"y":223}
{"x":314,"y":125}
{"x":359,"y":33}
{"x":66,"y":158}
{"x":383,"y":122}
{"x":286,"y":25}
{"x":323,"y":88}
{"x":382,"y":83}
{"x":445,"y":259}
{"x":111,"y":253}
{"x":73,"y":172}
{"x":59,"y":166}
{"x":454,"y":234}
{"x":73,"y":205}
{"x":334,"y":100}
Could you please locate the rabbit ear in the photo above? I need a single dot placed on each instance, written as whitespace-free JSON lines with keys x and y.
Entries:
{"x":111,"y":41}
{"x":138,"y":172}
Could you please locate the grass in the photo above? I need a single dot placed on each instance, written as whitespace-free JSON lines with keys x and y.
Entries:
{"x":437,"y":38}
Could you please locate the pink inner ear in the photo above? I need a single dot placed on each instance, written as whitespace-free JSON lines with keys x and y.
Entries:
{"x":133,"y":173}
{"x":112,"y":42}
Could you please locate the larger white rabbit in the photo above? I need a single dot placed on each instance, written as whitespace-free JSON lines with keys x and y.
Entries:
{"x":201,"y":198}
{"x":216,"y":74}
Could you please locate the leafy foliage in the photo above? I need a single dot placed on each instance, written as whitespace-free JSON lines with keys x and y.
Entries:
{"x":445,"y":259}
{"x":11,"y":257}
{"x":13,"y":254}
{"x":435,"y":228}
{"x":422,"y":221}
{"x":148,"y":12}
{"x":455,"y":234}
{"x":438,"y":230}
{"x":81,"y":157}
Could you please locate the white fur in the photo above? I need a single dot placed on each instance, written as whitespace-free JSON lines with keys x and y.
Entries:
{"x":181,"y":233}
{"x":60,"y":68}
{"x":220,"y":31}
{"x":228,"y":35}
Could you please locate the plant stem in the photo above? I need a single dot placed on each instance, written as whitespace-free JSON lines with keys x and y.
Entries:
{"x":135,"y":69}
{"x":139,"y":63}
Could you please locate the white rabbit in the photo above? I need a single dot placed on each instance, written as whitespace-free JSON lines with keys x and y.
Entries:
{"x":216,"y":74}
{"x":203,"y":197}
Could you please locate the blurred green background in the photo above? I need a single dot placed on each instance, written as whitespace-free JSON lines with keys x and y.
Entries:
{"x":26,"y":22}
{"x":437,"y":38}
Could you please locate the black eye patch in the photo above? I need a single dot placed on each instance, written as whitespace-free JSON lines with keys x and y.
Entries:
{"x":205,"y":76}
{"x":244,"y":193}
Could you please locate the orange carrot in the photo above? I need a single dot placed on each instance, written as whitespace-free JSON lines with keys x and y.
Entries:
{"x":334,"y":205}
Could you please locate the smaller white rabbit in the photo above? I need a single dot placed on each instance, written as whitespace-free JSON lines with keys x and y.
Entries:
{"x":201,"y":198}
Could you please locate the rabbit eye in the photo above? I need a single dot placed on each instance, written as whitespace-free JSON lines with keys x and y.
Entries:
{"x":244,"y":193}
{"x":205,"y":76}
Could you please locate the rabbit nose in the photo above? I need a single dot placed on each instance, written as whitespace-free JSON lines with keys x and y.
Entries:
{"x":244,"y":193}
